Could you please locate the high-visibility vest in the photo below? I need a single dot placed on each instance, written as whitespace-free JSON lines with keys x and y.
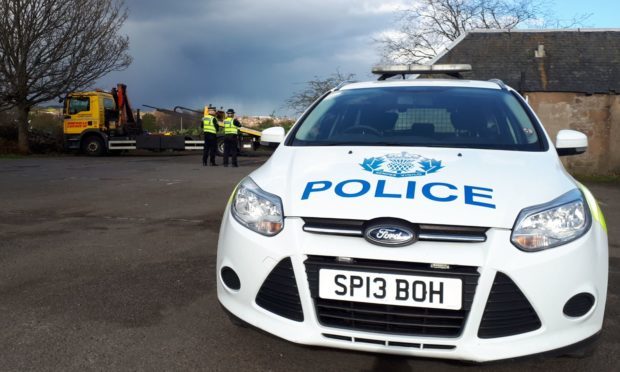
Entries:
{"x":229,"y":126}
{"x":207,"y":124}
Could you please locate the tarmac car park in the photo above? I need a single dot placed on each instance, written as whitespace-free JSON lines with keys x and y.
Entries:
{"x":421,"y":217}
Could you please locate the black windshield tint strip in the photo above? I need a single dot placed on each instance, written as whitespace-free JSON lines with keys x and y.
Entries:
{"x":542,"y":139}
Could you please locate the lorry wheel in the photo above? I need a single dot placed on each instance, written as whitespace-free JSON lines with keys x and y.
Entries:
{"x":92,"y":146}
{"x":220,"y":147}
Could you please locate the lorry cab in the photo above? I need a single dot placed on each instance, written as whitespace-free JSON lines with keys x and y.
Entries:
{"x":88,"y":110}
{"x":85,"y":120}
{"x":92,"y":118}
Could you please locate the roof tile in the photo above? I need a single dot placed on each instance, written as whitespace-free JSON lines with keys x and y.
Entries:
{"x":586,"y":62}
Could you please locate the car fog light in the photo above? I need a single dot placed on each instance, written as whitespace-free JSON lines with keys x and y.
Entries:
{"x":230,"y":278}
{"x":579,"y":305}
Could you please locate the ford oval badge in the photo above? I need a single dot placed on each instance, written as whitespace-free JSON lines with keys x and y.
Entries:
{"x":390,"y":235}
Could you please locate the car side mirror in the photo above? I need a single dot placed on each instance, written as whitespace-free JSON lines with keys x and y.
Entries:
{"x":570,"y":142}
{"x":272,"y":136}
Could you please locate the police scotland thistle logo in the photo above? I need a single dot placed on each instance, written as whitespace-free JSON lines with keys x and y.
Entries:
{"x":401,"y":164}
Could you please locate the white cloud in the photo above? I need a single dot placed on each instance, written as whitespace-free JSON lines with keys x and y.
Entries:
{"x":379,"y":7}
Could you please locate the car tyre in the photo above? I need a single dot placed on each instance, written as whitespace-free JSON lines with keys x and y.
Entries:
{"x":93,"y":146}
{"x":220,"y":147}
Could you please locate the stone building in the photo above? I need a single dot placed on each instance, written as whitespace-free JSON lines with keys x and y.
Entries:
{"x":570,"y":77}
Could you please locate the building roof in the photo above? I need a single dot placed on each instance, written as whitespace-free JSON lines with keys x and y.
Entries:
{"x":586,"y":61}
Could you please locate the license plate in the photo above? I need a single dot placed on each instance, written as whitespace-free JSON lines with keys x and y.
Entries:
{"x":391,"y":289}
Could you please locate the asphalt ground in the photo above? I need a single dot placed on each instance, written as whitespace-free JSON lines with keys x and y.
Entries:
{"x":108,"y":264}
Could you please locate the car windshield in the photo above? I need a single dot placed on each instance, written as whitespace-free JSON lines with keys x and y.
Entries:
{"x":419,"y":116}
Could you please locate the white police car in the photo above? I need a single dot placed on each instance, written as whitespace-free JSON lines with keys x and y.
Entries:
{"x":422,"y":217}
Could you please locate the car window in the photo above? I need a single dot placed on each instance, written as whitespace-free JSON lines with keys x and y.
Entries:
{"x":108,"y":104}
{"x":420,"y":116}
{"x":79,"y":104}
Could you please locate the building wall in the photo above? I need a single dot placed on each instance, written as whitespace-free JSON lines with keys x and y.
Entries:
{"x":598,"y":116}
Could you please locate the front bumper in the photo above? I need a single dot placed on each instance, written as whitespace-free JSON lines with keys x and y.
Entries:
{"x":547,"y":279}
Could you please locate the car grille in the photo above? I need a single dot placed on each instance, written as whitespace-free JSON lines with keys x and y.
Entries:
{"x":427,"y":232}
{"x":279,"y":293}
{"x":389,"y":318}
{"x":507,"y":312}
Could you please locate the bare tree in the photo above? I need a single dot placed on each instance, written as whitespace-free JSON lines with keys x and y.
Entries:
{"x":51,"y":47}
{"x":427,"y":26}
{"x":315,"y":88}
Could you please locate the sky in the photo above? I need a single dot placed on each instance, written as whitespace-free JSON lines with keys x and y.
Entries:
{"x":252,"y":55}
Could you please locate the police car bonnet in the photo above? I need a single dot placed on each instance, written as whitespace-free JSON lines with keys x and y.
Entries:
{"x":470,"y":187}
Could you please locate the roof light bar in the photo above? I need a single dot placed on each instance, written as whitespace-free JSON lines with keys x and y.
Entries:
{"x":393,"y":70}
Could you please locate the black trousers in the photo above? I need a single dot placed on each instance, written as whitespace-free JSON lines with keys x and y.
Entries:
{"x":208,"y":149}
{"x":230,"y":148}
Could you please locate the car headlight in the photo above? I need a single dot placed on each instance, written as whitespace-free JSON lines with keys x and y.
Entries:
{"x":552,"y":224}
{"x":257,"y":209}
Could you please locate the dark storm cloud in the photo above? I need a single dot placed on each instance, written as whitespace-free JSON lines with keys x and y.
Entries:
{"x":250,"y":55}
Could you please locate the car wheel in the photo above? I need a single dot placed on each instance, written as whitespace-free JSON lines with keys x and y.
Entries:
{"x":93,"y":146}
{"x":220,"y":146}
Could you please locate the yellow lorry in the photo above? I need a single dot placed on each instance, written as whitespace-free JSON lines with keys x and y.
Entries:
{"x":99,"y":122}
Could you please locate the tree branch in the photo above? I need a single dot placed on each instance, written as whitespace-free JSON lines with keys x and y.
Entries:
{"x":51,"y":47}
{"x":427,"y":26}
